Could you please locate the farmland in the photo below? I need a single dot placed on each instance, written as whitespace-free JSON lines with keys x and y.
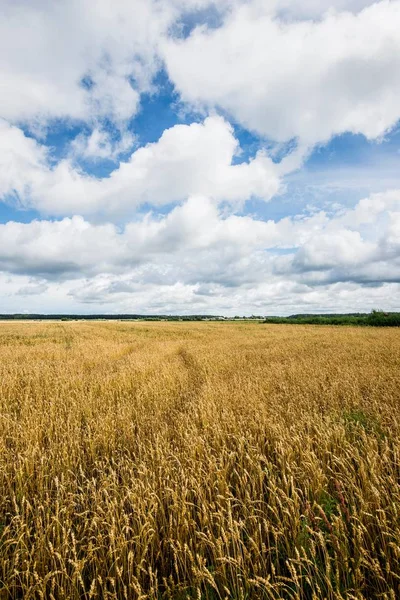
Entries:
{"x":199,"y":460}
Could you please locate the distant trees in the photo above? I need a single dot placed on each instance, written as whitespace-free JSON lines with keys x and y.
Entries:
{"x":376,"y":318}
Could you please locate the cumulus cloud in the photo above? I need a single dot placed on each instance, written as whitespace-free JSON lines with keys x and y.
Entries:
{"x":82,"y":60}
{"x":214,"y":257}
{"x":280,"y":68}
{"x":100,"y":144}
{"x":76,"y":59}
{"x":187,"y":160}
{"x":305,"y":79}
{"x":21,"y":159}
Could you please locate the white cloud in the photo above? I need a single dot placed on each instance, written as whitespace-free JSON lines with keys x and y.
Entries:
{"x":314,"y":9}
{"x":87,"y":61}
{"x":33,"y":289}
{"x":342,"y":247}
{"x":187,"y":160}
{"x":100,"y":145}
{"x":22,"y":160}
{"x":212,"y":259}
{"x":79,"y":59}
{"x":306,"y":79}
{"x":48,"y":48}
{"x":105,"y":294}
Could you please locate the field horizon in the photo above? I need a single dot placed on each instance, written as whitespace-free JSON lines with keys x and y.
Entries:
{"x":374,"y":318}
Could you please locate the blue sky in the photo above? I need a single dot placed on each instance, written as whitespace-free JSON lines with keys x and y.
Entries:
{"x":200,"y":157}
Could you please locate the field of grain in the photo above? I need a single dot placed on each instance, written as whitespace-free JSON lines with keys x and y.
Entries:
{"x":199,"y":460}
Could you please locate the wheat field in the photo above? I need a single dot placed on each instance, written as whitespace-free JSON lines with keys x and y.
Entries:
{"x":199,"y":460}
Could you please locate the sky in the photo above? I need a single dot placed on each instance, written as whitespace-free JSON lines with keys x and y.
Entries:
{"x":233,"y":157}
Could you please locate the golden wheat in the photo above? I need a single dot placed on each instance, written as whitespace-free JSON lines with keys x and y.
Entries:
{"x":199,"y":460}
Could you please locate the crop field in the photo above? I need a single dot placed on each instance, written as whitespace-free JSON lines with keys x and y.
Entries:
{"x":199,"y":460}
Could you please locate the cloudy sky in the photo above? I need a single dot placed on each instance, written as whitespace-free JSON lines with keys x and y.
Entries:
{"x":191,"y":156}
